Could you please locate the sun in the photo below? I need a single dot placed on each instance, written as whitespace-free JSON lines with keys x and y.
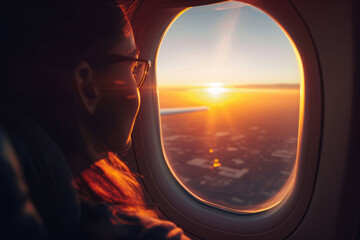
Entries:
{"x":213,"y":93}
{"x":216,"y":89}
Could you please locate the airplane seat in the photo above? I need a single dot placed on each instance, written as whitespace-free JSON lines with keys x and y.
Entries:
{"x":47,"y":176}
{"x":18,"y":219}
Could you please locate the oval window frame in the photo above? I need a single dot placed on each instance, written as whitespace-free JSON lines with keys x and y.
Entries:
{"x":283,"y":191}
{"x":206,"y":221}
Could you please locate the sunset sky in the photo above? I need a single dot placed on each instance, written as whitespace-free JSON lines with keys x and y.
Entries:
{"x":229,"y":43}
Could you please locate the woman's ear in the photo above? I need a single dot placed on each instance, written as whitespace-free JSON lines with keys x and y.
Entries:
{"x":86,"y":87}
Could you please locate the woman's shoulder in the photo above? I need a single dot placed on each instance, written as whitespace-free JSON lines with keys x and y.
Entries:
{"x":153,"y":228}
{"x":99,"y":221}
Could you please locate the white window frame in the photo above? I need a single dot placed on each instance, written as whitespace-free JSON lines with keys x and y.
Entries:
{"x":199,"y":219}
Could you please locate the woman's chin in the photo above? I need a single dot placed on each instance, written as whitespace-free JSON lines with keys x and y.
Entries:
{"x":127,"y":145}
{"x":120,"y":146}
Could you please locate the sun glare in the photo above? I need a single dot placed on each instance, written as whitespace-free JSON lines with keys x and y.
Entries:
{"x":216,"y":89}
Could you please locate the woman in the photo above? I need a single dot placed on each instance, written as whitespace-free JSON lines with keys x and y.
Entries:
{"x":70,"y":78}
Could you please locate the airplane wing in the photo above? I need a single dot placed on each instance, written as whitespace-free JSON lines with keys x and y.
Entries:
{"x":171,"y":111}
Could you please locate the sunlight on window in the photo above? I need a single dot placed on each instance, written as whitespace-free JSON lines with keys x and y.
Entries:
{"x":229,"y":78}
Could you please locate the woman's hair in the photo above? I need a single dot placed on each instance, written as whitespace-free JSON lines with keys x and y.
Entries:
{"x":42,"y":42}
{"x":47,"y":39}
{"x":111,"y":181}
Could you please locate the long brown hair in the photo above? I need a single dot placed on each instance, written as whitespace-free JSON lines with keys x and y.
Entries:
{"x":110,"y":181}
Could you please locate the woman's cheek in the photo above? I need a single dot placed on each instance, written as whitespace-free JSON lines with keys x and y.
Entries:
{"x":121,"y":117}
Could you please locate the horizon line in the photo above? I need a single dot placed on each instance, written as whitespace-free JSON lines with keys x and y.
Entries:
{"x":251,"y":86}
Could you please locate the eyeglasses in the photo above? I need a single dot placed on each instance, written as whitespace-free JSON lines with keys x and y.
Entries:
{"x":140,"y":67}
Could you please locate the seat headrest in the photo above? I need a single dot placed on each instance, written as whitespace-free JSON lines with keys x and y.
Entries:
{"x":19,"y":218}
{"x":47,"y":175}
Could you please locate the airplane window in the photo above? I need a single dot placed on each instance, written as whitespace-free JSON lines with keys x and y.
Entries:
{"x":229,"y":80}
